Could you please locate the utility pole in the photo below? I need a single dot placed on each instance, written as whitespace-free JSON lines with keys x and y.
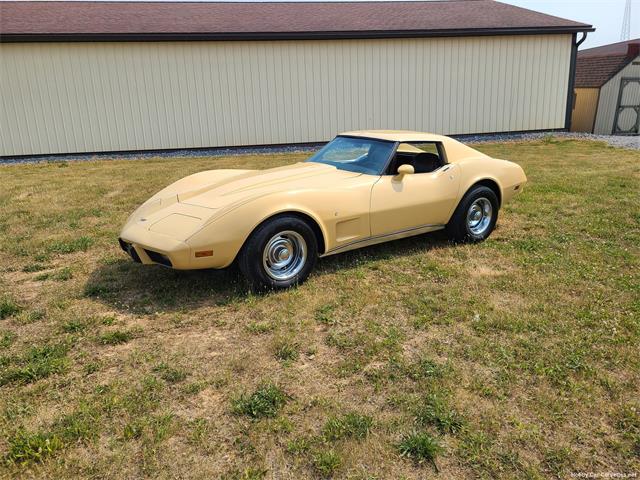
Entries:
{"x":626,"y":22}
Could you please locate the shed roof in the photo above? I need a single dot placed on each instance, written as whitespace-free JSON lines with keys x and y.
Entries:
{"x":94,"y":21}
{"x":596,"y":66}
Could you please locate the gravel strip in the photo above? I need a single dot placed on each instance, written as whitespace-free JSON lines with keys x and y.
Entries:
{"x":620,"y":141}
{"x":629,"y":142}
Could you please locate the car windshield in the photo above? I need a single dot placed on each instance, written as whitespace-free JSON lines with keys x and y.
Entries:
{"x":362,"y":155}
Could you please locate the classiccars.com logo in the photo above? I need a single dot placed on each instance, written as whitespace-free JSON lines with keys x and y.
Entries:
{"x":604,"y":475}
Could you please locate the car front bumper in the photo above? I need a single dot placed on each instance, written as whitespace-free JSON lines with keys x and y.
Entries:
{"x":149,"y":248}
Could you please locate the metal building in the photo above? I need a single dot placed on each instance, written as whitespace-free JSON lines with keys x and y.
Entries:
{"x":90,"y":77}
{"x":607,"y":93}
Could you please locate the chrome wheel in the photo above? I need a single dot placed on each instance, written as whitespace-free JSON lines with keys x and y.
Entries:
{"x":479,"y":216}
{"x":284,"y":255}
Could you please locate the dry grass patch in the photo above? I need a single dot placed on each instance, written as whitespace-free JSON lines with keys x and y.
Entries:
{"x":515,"y":358}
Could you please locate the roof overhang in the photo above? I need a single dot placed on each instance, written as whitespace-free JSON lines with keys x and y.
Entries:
{"x":240,"y":36}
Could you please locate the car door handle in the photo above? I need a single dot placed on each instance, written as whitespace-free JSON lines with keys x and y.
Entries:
{"x":444,"y":170}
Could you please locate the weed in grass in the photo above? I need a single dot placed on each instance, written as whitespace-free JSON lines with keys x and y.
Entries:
{"x":628,"y":424}
{"x":280,"y":425}
{"x":96,"y":290}
{"x":115,"y":338}
{"x":143,"y":397}
{"x":6,"y":339}
{"x":161,"y":426}
{"x":420,"y":447}
{"x":436,"y":411}
{"x":249,"y":473}
{"x":80,"y":425}
{"x":474,"y":447}
{"x":194,"y":388}
{"x":74,"y":326}
{"x":108,"y":320}
{"x":80,"y":244}
{"x":424,"y":368}
{"x":170,"y":374}
{"x":34,"y":267}
{"x":17,"y":410}
{"x":265,"y":401}
{"x":39,"y":362}
{"x":260,"y":327}
{"x":286,"y":350}
{"x":298,"y":446}
{"x":556,"y":459}
{"x":60,"y":276}
{"x":27,"y":447}
{"x":42,"y":257}
{"x":92,"y":367}
{"x":325,"y":314}
{"x":31,"y":316}
{"x":350,"y":425}
{"x":199,"y":430}
{"x":343,"y":340}
{"x":326,"y":462}
{"x":133,"y":429}
{"x":63,"y":274}
{"x":8,"y":307}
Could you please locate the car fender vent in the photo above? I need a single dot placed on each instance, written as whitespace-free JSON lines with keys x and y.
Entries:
{"x":127,"y":247}
{"x":159,"y":258}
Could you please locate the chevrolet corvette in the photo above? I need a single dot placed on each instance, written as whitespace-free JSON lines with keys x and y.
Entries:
{"x":362,"y":188}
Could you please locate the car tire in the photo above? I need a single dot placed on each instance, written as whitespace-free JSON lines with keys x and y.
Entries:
{"x":279,"y":253}
{"x":475,"y":217}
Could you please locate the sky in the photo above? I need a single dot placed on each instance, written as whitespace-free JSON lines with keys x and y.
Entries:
{"x":605,"y":15}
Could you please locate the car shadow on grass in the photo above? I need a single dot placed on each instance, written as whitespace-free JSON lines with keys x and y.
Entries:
{"x":128,"y":286}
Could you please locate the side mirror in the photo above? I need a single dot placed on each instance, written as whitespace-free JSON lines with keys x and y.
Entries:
{"x":405,"y":169}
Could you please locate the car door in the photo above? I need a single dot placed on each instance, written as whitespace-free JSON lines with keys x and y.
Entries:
{"x":401,"y":203}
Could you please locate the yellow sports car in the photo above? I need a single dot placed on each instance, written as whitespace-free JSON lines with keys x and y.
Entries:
{"x":361,"y":188}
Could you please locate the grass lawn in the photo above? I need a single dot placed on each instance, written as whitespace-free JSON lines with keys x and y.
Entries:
{"x":515,"y":358}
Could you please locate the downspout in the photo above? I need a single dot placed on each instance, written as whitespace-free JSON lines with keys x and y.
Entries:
{"x":572,"y":78}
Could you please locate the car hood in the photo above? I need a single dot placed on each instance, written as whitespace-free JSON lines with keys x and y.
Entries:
{"x":185,"y":206}
{"x":226,"y":187}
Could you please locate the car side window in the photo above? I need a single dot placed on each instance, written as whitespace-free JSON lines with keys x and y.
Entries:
{"x":424,"y":157}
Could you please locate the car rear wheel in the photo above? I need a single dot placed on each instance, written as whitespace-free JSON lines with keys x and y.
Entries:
{"x":475,"y":217}
{"x":279,"y":253}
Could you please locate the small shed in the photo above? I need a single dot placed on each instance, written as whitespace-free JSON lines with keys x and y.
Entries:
{"x":607,"y":90}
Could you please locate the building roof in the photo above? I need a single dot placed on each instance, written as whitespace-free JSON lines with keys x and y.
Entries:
{"x":619,"y":48}
{"x":596,"y":66}
{"x":95,"y":21}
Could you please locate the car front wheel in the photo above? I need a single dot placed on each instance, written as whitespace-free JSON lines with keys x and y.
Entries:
{"x":475,"y":217}
{"x":280,"y":253}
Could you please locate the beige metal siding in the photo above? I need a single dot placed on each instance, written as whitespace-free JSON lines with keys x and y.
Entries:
{"x":584,"y":109}
{"x":609,"y":98}
{"x":79,"y":97}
